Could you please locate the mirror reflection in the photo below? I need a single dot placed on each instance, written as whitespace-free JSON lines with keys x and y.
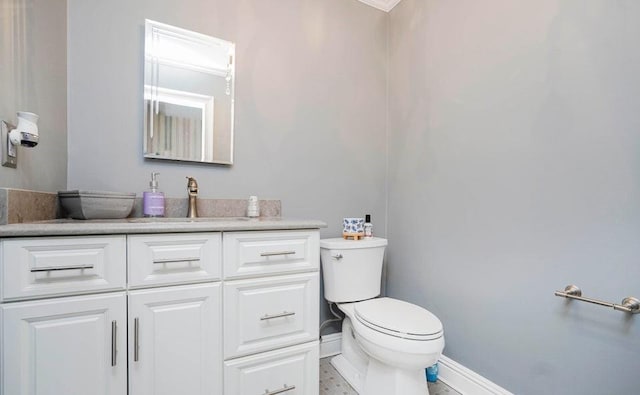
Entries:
{"x":188,"y":95}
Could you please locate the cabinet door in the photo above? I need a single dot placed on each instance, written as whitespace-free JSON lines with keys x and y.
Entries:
{"x":175,"y":340}
{"x":168,"y":259}
{"x":267,"y":313}
{"x":260,"y":253}
{"x":65,"y":346}
{"x":287,"y":371}
{"x":55,"y":266}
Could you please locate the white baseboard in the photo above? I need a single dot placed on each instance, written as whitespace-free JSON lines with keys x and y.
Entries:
{"x":456,"y":376}
{"x":466,"y":381}
{"x":330,"y":344}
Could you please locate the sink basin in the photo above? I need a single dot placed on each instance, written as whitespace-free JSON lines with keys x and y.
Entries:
{"x":80,"y":204}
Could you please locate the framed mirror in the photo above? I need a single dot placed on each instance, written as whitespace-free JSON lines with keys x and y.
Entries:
{"x":188,"y":95}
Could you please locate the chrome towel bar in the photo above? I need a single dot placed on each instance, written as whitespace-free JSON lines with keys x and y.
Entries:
{"x":629,"y":304}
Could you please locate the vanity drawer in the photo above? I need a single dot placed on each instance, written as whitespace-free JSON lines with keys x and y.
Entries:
{"x":292,"y":371}
{"x":251,"y":254}
{"x":51,"y":266}
{"x":267,"y":313}
{"x":174,"y":258}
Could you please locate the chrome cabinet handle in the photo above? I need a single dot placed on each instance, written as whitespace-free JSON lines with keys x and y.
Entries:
{"x":58,"y":268}
{"x":277,"y":253}
{"x":286,"y":388}
{"x":272,"y":316}
{"x":114,"y":341}
{"x":178,"y":260}
{"x":136,"y":344}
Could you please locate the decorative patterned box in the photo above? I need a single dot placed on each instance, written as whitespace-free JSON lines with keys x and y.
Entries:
{"x":353,"y":227}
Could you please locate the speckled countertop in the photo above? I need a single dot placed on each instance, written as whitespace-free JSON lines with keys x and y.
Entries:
{"x":70,"y":227}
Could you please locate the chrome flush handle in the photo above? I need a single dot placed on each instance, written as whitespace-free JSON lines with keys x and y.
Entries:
{"x":337,"y":257}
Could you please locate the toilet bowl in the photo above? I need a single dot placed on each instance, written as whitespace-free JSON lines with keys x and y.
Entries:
{"x":395,"y":358}
{"x":386,"y":343}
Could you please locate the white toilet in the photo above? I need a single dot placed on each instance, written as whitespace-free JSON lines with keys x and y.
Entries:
{"x":386,"y":343}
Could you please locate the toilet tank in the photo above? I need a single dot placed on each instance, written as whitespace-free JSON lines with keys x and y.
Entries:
{"x":351,"y":269}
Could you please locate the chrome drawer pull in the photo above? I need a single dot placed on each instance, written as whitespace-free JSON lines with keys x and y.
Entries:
{"x":114,"y":340}
{"x":136,"y":343}
{"x":178,"y":260}
{"x":283,"y":314}
{"x":58,"y":268}
{"x":275,"y":253}
{"x":286,"y":388}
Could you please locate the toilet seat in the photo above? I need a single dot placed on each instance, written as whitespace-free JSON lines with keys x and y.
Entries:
{"x":399,"y":319}
{"x":399,"y":345}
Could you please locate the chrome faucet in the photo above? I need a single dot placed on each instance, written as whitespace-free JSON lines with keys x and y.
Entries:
{"x":192,"y":190}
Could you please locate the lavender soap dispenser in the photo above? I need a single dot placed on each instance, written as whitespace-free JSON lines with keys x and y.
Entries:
{"x":153,"y":200}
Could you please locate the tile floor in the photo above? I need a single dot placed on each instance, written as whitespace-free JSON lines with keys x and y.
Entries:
{"x":331,"y":383}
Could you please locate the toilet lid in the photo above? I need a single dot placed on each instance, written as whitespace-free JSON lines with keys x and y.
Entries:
{"x":398,"y":318}
{"x":342,"y":244}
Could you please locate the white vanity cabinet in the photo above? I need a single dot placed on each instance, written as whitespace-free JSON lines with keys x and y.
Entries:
{"x":196,"y":313}
{"x":175,"y":340}
{"x":68,"y":344}
{"x":175,"y":258}
{"x":74,"y":345}
{"x":54,"y":266}
{"x":271,"y":309}
{"x":267,"y":313}
{"x":175,"y":330}
{"x":290,"y":371}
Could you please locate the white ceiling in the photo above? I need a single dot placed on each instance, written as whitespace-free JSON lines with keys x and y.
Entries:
{"x":384,"y":5}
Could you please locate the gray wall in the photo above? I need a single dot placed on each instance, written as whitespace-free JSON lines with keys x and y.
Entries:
{"x":513,"y":153}
{"x":515,"y":170}
{"x":310,"y":103}
{"x":33,"y":77}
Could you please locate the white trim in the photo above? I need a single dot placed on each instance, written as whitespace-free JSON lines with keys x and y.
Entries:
{"x":330,"y":345}
{"x":466,"y":381}
{"x":348,"y":372}
{"x":384,"y":5}
{"x":456,"y":376}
